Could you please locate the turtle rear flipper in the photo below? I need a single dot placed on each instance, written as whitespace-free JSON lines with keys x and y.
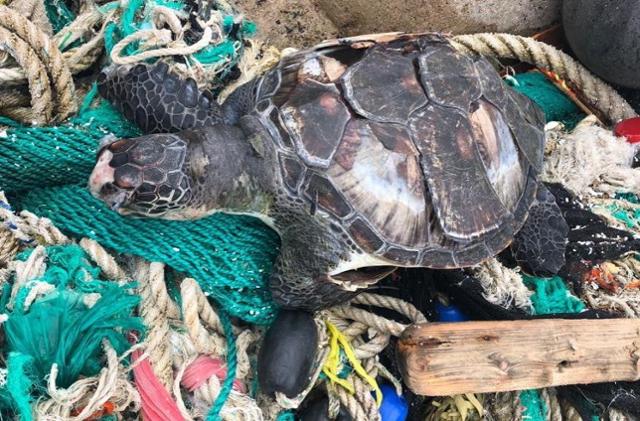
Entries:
{"x":157,"y":100}
{"x":539,"y":247}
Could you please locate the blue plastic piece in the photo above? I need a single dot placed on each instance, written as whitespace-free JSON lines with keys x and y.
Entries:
{"x":393,"y":407}
{"x":449,"y":313}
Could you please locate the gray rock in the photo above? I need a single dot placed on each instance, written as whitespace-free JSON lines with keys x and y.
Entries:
{"x":605,"y":36}
{"x":354,"y":17}
{"x":288,"y":23}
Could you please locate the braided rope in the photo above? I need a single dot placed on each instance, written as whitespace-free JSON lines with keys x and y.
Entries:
{"x":371,"y":348}
{"x":80,"y":27}
{"x":35,"y":11}
{"x":77,"y":58}
{"x":377,"y":322}
{"x":49,"y":56}
{"x":362,"y":406}
{"x":153,"y":308}
{"x":504,"y":406}
{"x":39,"y":84}
{"x":195,"y":307}
{"x":27,"y":227}
{"x":89,"y":394}
{"x":396,"y":304}
{"x":37,"y":56}
{"x":8,"y":246}
{"x":104,"y":260}
{"x":157,"y":38}
{"x":505,"y":46}
{"x":354,"y":322}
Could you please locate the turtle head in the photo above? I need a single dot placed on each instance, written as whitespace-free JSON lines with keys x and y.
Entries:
{"x":185,"y":175}
{"x":146,"y":175}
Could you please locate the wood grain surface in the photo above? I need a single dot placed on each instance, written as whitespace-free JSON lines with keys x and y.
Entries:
{"x":439,"y":359}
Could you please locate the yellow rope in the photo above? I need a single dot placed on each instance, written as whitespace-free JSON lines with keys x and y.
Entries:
{"x":456,"y":408}
{"x":333,"y":364}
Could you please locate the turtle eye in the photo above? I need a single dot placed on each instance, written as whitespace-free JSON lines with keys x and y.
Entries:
{"x":108,"y":189}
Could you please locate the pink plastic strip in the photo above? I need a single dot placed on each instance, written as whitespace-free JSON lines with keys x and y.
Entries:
{"x":157,"y":403}
{"x":200,"y":370}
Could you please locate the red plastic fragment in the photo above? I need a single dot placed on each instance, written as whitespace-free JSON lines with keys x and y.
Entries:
{"x":199,"y":371}
{"x":629,"y":128}
{"x":157,"y":403}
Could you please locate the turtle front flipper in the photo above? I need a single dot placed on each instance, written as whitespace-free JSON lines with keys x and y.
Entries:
{"x":157,"y":100}
{"x":303,"y":276}
{"x":539,"y":247}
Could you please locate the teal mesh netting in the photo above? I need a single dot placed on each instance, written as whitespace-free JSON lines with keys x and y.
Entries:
{"x":556,"y":105}
{"x":229,"y":256}
{"x":46,"y":170}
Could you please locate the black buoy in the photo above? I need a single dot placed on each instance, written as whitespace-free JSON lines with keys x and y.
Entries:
{"x":287,"y":354}
{"x":605,"y":36}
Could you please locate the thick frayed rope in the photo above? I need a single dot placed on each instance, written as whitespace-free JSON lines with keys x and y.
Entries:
{"x":110,"y":392}
{"x":503,"y":286}
{"x":23,"y":229}
{"x":50,"y":82}
{"x":506,"y":46}
{"x":165,"y":31}
{"x":590,"y":160}
{"x":155,"y":309}
{"x":81,"y":43}
{"x":110,"y":389}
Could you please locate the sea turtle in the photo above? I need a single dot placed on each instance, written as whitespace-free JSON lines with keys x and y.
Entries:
{"x":364,"y":154}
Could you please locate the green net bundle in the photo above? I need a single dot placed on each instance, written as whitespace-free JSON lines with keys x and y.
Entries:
{"x":62,"y":328}
{"x":45,"y":170}
{"x":69,"y":315}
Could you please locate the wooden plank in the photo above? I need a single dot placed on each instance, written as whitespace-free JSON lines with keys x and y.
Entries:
{"x":439,"y":359}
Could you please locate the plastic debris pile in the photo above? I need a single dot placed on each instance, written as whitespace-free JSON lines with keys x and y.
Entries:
{"x":105,"y":317}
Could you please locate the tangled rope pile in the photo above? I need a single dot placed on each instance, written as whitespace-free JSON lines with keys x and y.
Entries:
{"x":181,"y":340}
{"x":188,"y":359}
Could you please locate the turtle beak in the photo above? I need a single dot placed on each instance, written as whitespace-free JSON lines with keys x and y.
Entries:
{"x":116,"y":201}
{"x":102,"y":174}
{"x":102,"y":183}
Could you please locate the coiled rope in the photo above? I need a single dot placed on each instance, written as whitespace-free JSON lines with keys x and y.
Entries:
{"x":506,"y":46}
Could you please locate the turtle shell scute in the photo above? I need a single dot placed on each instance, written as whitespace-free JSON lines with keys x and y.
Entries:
{"x":384,"y":86}
{"x":420,"y":153}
